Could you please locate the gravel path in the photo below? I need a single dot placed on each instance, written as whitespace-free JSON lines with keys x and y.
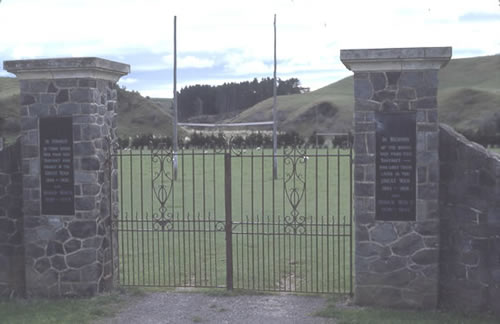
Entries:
{"x":175,"y":307}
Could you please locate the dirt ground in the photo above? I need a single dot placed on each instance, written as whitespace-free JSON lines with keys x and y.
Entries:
{"x":190,"y":307}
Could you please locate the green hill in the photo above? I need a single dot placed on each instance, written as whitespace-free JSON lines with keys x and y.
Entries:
{"x":136,"y":114}
{"x":469,"y":100}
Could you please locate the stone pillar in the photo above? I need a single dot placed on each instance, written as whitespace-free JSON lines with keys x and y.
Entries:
{"x":68,"y":109}
{"x":396,"y":174}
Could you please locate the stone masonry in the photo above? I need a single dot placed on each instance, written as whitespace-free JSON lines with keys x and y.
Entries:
{"x":11,"y":223}
{"x":396,"y":262}
{"x":68,"y":255}
{"x":470,"y":225}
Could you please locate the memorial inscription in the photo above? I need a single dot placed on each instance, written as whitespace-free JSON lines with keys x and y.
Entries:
{"x":395,"y":181}
{"x":56,"y":164}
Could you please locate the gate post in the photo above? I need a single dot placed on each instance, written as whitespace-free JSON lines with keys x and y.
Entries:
{"x":229,"y":220}
{"x":68,"y":109}
{"x":396,"y":174}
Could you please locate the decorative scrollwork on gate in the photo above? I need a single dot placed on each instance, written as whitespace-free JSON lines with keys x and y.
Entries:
{"x":295,"y":187}
{"x":162,"y":184}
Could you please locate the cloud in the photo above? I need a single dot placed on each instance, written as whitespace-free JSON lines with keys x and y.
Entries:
{"x":190,"y":61}
{"x":479,"y":17}
{"x":128,"y":80}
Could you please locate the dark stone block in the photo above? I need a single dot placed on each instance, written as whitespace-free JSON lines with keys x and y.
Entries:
{"x":411,"y":79}
{"x":54,"y":247}
{"x":52,"y":88}
{"x":92,"y":272}
{"x":378,"y":80}
{"x":42,"y":265}
{"x":425,"y":256}
{"x":431,"y":78}
{"x":38,"y":86}
{"x":428,"y":191}
{"x":368,"y":249}
{"x":47,"y":98}
{"x":90,"y":189}
{"x":66,"y":83}
{"x":85,"y":203}
{"x":39,"y":109}
{"x":72,"y":245}
{"x":27,"y":99}
{"x":62,"y":96}
{"x":364,"y":189}
{"x":58,"y":262}
{"x":81,"y":258}
{"x":87,"y":83}
{"x":393,"y":78}
{"x":90,"y":163}
{"x":384,"y":95}
{"x":62,"y":235}
{"x":105,"y":243}
{"x":389,"y":106}
{"x":426,"y":92}
{"x":82,"y":95}
{"x":407,"y":245}
{"x":390,"y":264}
{"x":428,"y":228}
{"x":406,"y":94}
{"x":34,"y":251}
{"x":84,"y":148}
{"x":425,"y":103}
{"x":403,"y":105}
{"x":29,"y":123}
{"x":486,"y":178}
{"x":363,"y":89}
{"x":71,"y":276}
{"x":383,"y":233}
{"x":83,"y":229}
{"x":362,"y":233}
{"x":93,"y":243}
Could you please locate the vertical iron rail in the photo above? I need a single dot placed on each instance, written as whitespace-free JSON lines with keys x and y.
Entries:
{"x":229,"y":221}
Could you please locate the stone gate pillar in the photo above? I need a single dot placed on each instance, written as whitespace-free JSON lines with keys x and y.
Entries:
{"x":396,"y":174}
{"x":68,"y":109}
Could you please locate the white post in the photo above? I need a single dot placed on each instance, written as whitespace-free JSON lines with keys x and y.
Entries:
{"x":275,"y":141}
{"x":174,"y":160}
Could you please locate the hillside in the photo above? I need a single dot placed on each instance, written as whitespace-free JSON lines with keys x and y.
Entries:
{"x":136,"y":114}
{"x":469,"y":100}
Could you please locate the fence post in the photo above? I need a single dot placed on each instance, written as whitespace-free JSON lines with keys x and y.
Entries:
{"x":229,"y":220}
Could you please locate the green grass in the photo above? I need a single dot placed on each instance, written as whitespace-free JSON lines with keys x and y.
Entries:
{"x":267,"y":254}
{"x":345,"y":314}
{"x":74,"y":310}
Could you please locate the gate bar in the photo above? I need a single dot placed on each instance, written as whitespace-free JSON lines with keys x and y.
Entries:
{"x":229,"y":221}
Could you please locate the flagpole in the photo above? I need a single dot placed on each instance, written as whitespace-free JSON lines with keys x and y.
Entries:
{"x":275,"y":144}
{"x":175,"y":141}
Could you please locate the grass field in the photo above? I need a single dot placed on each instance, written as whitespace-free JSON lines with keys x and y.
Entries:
{"x":288,"y":234}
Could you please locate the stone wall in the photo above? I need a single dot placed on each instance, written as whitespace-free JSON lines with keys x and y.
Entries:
{"x":69,"y":253}
{"x":470,"y":224}
{"x":396,"y":262}
{"x":11,"y":223}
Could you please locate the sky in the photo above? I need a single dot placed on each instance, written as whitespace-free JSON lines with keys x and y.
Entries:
{"x":220,"y":41}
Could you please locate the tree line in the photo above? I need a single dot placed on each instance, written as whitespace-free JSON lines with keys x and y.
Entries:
{"x":211,"y":100}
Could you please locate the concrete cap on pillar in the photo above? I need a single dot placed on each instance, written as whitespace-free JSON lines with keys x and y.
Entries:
{"x":63,"y":68}
{"x":395,"y":59}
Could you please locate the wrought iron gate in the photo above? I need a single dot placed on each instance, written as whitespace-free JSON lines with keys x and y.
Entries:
{"x":224,"y":221}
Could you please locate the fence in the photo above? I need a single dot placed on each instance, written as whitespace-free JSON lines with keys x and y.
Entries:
{"x":224,"y":222}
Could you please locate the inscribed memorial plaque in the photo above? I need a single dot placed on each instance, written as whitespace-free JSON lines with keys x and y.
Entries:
{"x":395,"y":167}
{"x":56,"y":165}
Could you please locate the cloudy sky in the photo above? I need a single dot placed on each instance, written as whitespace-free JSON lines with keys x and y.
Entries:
{"x":231,"y":40}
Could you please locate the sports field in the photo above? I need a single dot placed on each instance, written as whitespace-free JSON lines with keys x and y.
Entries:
{"x":292,"y":233}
